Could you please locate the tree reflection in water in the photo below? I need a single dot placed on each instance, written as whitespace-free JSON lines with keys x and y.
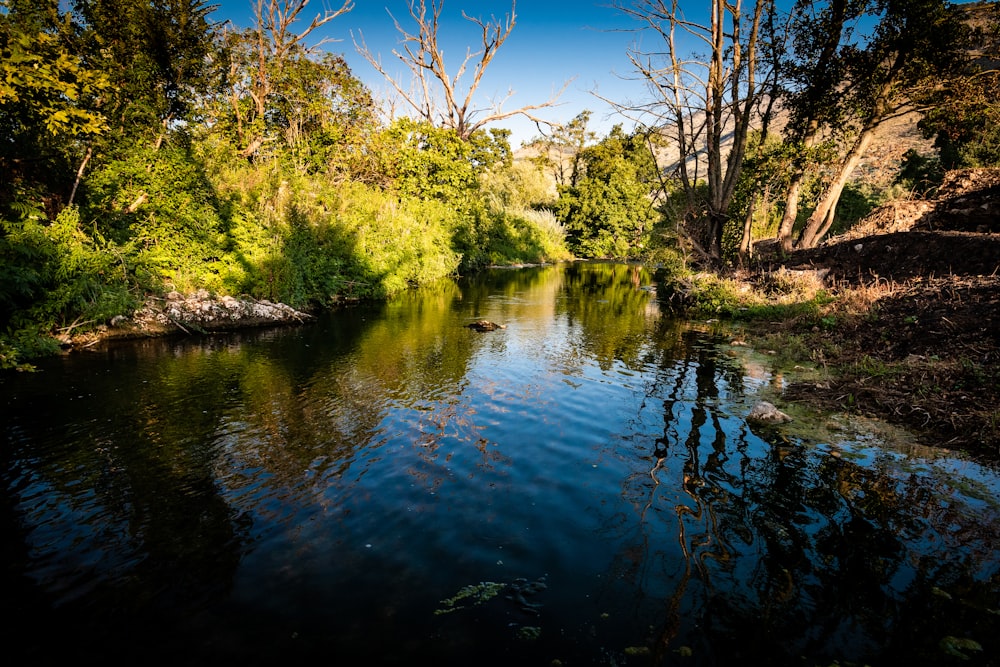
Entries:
{"x":788,"y":550}
{"x":300,"y":495}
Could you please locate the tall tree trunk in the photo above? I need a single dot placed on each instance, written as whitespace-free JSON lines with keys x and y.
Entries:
{"x":715,"y":102}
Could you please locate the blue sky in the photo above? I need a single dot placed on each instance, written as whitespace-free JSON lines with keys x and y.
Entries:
{"x":553,"y":42}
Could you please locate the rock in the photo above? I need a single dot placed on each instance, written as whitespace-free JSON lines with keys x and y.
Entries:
{"x":765,"y":413}
{"x":486,"y":325}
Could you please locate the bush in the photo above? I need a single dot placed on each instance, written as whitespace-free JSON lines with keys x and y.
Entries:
{"x":160,"y":206}
{"x":54,"y":275}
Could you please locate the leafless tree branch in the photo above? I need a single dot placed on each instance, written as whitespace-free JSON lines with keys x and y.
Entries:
{"x":438,"y":97}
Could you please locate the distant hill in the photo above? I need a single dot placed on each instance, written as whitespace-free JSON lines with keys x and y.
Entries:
{"x":878,"y":168}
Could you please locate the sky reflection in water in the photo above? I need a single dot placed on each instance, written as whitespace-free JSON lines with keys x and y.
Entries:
{"x":388,"y":485}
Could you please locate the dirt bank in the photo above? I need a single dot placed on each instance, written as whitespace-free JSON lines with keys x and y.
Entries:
{"x":914,"y":334}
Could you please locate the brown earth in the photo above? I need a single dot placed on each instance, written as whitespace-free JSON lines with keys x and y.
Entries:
{"x":914,"y":335}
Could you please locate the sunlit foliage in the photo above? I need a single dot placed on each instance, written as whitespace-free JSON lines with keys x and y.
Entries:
{"x":609,"y":212}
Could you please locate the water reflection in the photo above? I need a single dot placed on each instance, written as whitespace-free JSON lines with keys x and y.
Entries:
{"x":317,"y":492}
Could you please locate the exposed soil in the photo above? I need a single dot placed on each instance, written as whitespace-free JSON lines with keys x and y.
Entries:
{"x":914,"y":336}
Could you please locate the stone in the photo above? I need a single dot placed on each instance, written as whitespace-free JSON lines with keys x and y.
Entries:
{"x":766,"y":413}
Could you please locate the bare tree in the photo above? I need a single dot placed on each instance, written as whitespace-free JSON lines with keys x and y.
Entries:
{"x":438,"y":97}
{"x":705,"y":104}
{"x":274,"y":43}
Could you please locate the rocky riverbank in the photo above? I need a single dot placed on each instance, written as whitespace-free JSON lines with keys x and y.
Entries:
{"x":198,"y":313}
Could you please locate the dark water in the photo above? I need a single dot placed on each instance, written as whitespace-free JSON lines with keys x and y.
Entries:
{"x":388,"y":486}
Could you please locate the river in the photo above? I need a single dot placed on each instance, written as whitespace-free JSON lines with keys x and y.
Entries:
{"x":389,"y":486}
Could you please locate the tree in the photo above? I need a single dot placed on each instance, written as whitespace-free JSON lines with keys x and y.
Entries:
{"x":562,"y":148}
{"x":964,"y":118}
{"x":438,"y":97}
{"x":706,"y":105}
{"x":430,"y":162}
{"x":812,"y":76}
{"x":609,"y":211}
{"x":916,"y":44}
{"x":263,"y":66}
{"x":48,"y":104}
{"x":156,"y":54}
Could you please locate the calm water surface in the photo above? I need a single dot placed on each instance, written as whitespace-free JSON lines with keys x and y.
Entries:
{"x":387,"y":486}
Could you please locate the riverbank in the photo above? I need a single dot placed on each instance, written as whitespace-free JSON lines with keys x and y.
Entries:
{"x":176,"y":313}
{"x":921,"y":353}
{"x":902,"y":314}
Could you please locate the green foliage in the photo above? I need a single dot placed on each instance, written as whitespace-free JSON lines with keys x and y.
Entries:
{"x":305,"y":108}
{"x":502,"y":237}
{"x":47,"y":106}
{"x":55,"y":275}
{"x":610,"y":213}
{"x":42,"y":84}
{"x":918,"y":174}
{"x":160,"y":206}
{"x":780,"y":295}
{"x":857,"y":201}
{"x":396,"y":244}
{"x":965,"y":120}
{"x":521,"y":185}
{"x":762,"y":183}
{"x":306,"y":241}
{"x":156,"y":55}
{"x":436,"y":163}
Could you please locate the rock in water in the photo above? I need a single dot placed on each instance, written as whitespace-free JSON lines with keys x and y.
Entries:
{"x":486,"y":325}
{"x":766,"y":413}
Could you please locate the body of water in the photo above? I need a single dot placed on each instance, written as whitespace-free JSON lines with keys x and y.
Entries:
{"x":389,"y":486}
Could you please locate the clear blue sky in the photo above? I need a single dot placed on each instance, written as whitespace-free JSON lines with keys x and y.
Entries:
{"x":553,"y":41}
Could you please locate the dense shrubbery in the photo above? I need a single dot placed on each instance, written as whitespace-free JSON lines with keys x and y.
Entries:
{"x":608,"y":210}
{"x":199,"y":217}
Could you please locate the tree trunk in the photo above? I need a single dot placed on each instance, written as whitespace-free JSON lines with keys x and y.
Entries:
{"x":822,"y":218}
{"x":79,"y":174}
{"x":746,"y":246}
{"x":791,"y":214}
{"x":791,"y":211}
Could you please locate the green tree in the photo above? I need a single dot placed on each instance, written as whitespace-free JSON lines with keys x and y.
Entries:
{"x":431,"y":162}
{"x":964,"y":118}
{"x":47,"y":105}
{"x":276,"y":77}
{"x":609,"y":212}
{"x":813,"y":72}
{"x":156,"y":53}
